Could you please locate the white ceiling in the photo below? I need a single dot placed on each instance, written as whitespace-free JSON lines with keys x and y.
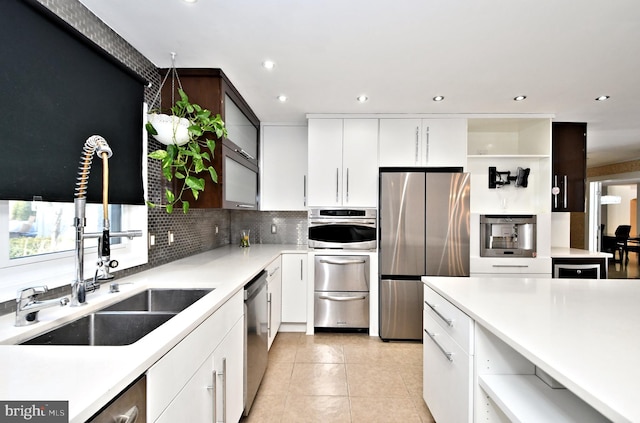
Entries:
{"x":561,"y":54}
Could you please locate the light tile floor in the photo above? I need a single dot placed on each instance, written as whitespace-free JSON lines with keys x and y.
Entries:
{"x":336,"y":377}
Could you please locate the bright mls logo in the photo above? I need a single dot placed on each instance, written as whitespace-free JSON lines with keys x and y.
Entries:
{"x":34,"y":411}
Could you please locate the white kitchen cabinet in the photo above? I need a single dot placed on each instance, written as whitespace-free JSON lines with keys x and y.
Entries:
{"x":274,"y":298}
{"x":508,"y":144}
{"x":283,"y":168}
{"x":470,"y":374}
{"x":448,"y":360}
{"x":220,"y":336}
{"x":423,"y":142}
{"x":343,"y":162}
{"x":294,"y":288}
{"x":220,"y":376}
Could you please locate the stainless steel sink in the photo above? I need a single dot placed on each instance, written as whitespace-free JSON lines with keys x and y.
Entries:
{"x":103,"y":328}
{"x":125,"y":322}
{"x":158,"y":299}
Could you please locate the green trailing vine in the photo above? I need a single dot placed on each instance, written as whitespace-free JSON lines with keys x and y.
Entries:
{"x":189,"y":161}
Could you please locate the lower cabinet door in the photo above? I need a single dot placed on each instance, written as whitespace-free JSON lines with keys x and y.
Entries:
{"x":448,"y":376}
{"x":221,"y":376}
{"x":194,"y":404}
{"x":294,"y":288}
{"x":228,"y":364}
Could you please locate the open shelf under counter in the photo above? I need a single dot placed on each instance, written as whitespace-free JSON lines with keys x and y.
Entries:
{"x":526,"y":398}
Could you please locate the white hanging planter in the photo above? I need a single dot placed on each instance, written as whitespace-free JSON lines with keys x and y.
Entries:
{"x":170,"y":129}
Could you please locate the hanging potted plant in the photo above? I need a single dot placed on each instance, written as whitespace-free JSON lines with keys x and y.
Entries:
{"x":189,"y":151}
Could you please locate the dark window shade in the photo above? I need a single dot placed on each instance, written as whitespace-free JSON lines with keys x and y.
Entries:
{"x":57,"y":89}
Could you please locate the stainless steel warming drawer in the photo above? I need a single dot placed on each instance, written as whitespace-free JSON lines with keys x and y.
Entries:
{"x":341,"y":291}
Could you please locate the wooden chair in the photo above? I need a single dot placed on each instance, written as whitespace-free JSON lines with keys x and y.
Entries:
{"x":622,"y":238}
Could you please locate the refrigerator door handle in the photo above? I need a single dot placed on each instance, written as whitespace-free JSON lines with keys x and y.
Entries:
{"x":448,"y":321}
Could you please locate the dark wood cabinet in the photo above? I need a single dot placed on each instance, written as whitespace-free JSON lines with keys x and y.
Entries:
{"x":236,"y":164}
{"x":569,"y":156}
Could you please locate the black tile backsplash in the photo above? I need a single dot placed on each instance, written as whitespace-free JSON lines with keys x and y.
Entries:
{"x":194,"y":232}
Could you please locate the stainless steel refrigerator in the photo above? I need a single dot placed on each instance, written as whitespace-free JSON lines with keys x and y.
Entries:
{"x":423,"y":230}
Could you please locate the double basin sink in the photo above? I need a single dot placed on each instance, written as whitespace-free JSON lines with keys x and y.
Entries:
{"x":124,"y":322}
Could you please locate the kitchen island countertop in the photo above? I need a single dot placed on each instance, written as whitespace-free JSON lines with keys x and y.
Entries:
{"x":584,"y":333}
{"x":565,"y":252}
{"x":89,"y":376}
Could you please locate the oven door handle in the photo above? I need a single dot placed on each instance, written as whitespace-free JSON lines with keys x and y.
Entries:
{"x":353,"y":222}
{"x":343,"y":262}
{"x":332,"y":298}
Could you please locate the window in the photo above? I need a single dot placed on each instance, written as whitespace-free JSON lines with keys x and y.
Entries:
{"x":37,"y":242}
{"x":38,"y":228}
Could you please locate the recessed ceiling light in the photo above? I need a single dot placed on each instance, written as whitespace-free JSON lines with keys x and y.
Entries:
{"x":602,"y":98}
{"x":438,"y":98}
{"x":520,"y":97}
{"x":268,"y":64}
{"x":362,"y":98}
{"x":282,"y":98}
{"x":190,"y":1}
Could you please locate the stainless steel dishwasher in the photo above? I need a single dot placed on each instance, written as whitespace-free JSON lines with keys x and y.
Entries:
{"x":256,"y":337}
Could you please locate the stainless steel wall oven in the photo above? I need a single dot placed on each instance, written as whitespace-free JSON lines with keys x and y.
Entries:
{"x":344,"y":229}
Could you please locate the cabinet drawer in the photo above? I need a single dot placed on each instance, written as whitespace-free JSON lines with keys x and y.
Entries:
{"x":448,"y":375}
{"x":341,"y":309}
{"x":511,"y":265}
{"x":341,"y":273}
{"x":452,"y":321}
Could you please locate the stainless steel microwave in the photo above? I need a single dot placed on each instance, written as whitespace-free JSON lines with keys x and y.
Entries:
{"x":508,"y":236}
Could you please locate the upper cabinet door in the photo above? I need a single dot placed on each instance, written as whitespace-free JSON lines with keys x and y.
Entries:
{"x":423,"y":142}
{"x":569,"y":156}
{"x":283,"y":168}
{"x":360,"y":163}
{"x":444,"y":142}
{"x":400,"y":142}
{"x":343,"y":162}
{"x":325,"y":162}
{"x":240,"y":129}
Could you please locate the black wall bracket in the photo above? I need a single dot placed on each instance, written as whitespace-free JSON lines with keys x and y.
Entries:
{"x":499,"y":179}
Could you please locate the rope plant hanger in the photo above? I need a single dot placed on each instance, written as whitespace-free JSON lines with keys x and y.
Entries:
{"x":189,"y":151}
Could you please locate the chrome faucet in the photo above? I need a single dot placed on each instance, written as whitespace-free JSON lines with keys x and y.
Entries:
{"x":27,"y":305}
{"x":79,"y":287}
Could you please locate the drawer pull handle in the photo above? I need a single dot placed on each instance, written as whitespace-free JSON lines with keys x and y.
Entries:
{"x":445,"y":352}
{"x":342,"y":262}
{"x":331,"y":298}
{"x":511,"y":265}
{"x":448,"y":321}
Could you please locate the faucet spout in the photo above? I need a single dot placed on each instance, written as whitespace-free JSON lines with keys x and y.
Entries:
{"x":27,"y":305}
{"x":98,"y":145}
{"x":79,"y":287}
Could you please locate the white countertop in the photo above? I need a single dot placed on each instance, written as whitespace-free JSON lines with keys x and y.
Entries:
{"x":89,"y":376}
{"x":566,"y":252}
{"x":584,"y":333}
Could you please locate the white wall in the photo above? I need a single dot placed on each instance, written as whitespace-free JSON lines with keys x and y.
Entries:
{"x":561,"y":229}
